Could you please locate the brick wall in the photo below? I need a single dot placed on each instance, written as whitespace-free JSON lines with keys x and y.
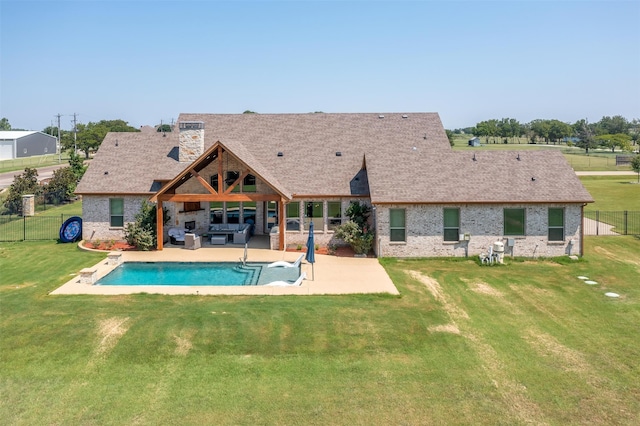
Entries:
{"x":484,"y":224}
{"x":96,"y":219}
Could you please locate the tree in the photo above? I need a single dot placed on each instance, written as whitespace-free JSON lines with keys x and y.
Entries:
{"x":584,"y":132}
{"x":509,"y":128}
{"x":89,"y":136}
{"x":621,"y":140}
{"x":559,"y":130}
{"x":634,"y":130}
{"x":635,"y":165}
{"x":248,"y":111}
{"x":450,"y":136}
{"x":540,"y":129}
{"x":164,"y":128}
{"x":76,"y":163}
{"x":23,"y":184}
{"x":61,"y":186}
{"x":612,"y":125}
{"x":51,"y":130}
{"x":4,"y":124}
{"x":488,"y":128}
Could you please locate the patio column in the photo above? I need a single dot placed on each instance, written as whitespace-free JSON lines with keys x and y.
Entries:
{"x":159,"y":222}
{"x":282,"y":222}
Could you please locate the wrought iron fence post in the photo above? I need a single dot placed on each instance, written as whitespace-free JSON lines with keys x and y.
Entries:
{"x":24,"y":228}
{"x":625,"y":222}
{"x":597,"y":222}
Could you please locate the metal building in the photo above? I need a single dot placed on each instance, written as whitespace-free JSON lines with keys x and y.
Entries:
{"x":19,"y":144}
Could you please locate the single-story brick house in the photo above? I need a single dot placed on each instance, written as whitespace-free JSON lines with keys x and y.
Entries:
{"x":281,"y":171}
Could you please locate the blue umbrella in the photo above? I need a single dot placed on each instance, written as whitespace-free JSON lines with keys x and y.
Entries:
{"x":311,"y":254}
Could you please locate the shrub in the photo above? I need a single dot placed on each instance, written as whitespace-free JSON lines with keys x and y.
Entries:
{"x":142,"y":233}
{"x":140,"y":237}
{"x":360,"y":239}
{"x":61,"y":186}
{"x":25,"y":183}
{"x":358,"y":213}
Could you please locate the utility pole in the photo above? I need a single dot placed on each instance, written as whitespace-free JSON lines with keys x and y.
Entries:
{"x":59,"y":141}
{"x":75,"y":134}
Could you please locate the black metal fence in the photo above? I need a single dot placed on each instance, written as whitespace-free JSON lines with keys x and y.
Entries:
{"x":24,"y":228}
{"x":43,"y":200}
{"x":612,"y":223}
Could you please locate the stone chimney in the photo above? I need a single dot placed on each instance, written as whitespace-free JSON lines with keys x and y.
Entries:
{"x":191,"y":140}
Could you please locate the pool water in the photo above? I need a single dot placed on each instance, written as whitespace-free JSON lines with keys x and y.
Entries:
{"x":195,"y":274}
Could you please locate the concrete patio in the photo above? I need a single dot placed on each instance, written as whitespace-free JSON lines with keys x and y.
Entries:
{"x":330,"y":275}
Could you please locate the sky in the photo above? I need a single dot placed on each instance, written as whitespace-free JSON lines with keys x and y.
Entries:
{"x":146,"y":61}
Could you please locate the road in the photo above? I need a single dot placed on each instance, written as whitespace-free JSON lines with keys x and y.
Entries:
{"x":6,"y":179}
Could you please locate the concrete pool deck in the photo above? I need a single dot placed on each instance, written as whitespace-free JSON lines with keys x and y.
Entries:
{"x":333,"y":274}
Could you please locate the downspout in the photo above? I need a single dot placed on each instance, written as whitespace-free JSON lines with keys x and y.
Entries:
{"x":582,"y":230}
{"x":375,"y":229}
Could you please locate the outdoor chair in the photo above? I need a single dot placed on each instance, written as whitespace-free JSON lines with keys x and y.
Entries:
{"x":285,"y":264}
{"x":297,"y":282}
{"x":191,"y":241}
{"x":487,"y":258}
{"x":176,"y":236}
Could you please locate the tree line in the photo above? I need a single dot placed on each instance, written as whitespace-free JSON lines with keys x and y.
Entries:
{"x":610,"y":132}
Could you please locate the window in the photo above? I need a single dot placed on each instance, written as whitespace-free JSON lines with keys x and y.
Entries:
{"x":334,"y":214}
{"x":249,"y":183}
{"x":214,"y":182}
{"x":514,"y":222}
{"x":233,"y":212}
{"x":190,"y":206}
{"x":231,"y":178}
{"x":315,"y":212}
{"x":116,"y":212}
{"x":451,"y":224}
{"x":216,"y":212}
{"x":556,"y":224}
{"x":293,"y":216}
{"x":397,"y":229}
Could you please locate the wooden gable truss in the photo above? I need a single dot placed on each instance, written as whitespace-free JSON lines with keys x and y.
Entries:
{"x":168,"y":192}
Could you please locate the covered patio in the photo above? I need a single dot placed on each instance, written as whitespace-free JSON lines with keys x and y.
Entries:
{"x":214,"y":164}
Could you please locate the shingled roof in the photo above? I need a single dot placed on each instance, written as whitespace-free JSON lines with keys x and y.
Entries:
{"x":407,"y":158}
{"x":542,"y":176}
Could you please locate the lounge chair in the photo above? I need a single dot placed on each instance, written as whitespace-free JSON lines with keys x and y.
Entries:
{"x":296,"y":283}
{"x":177,"y":236}
{"x":285,"y":264}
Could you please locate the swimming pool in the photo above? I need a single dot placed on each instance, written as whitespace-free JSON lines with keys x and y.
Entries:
{"x":196,"y":274}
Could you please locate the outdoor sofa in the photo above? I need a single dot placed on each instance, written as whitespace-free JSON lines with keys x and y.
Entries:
{"x":239,"y":233}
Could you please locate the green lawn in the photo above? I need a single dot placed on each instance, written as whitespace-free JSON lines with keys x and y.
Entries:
{"x":527,"y":342}
{"x":612,"y":193}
